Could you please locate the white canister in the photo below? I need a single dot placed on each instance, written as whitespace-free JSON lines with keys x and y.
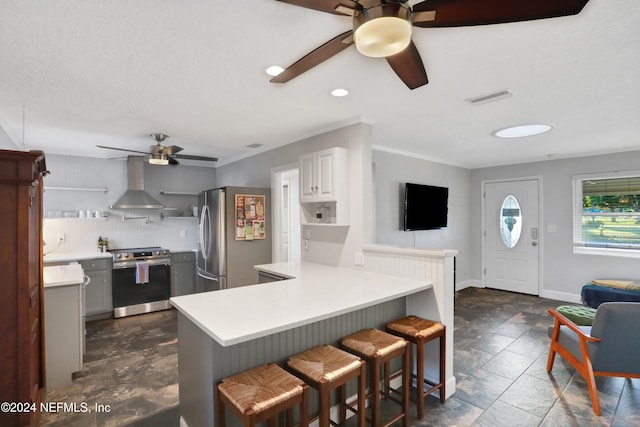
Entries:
{"x":194,"y":210}
{"x":82,"y":214}
{"x":89,"y":214}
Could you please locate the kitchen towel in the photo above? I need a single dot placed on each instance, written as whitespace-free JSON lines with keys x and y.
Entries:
{"x":142,"y":272}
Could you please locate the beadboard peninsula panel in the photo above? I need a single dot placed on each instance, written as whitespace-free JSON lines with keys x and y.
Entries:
{"x":203,"y":361}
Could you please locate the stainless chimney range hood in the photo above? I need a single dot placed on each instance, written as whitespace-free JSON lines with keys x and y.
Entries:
{"x":135,"y":197}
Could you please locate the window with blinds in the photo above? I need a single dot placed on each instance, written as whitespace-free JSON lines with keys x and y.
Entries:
{"x":607,"y":214}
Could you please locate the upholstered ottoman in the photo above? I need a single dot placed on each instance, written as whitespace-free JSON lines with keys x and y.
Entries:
{"x":594,"y":295}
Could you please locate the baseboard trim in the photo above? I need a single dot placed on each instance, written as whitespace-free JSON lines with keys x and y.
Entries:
{"x":561,"y":296}
{"x":468,"y":284}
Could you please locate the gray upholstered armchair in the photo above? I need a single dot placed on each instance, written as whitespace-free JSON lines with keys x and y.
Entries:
{"x":610,"y":347}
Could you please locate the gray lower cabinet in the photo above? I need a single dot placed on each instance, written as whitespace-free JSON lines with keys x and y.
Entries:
{"x":183,"y":273}
{"x":98,"y":300}
{"x":64,"y":333}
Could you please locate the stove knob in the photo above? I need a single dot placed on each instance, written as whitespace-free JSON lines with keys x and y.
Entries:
{"x":157,"y":252}
{"x":119,"y":256}
{"x":165,"y":252}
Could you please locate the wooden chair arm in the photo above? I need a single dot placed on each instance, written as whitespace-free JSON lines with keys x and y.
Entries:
{"x":569,"y":324}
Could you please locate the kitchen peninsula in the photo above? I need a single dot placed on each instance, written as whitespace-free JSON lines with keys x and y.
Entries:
{"x":224,"y":332}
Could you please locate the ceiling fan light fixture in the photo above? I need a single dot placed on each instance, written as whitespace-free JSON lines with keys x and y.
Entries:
{"x":382,"y":30}
{"x":158,"y":159}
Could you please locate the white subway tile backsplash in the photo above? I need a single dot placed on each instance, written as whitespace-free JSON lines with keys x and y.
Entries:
{"x":82,"y":234}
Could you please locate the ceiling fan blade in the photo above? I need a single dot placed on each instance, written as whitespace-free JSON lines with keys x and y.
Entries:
{"x":337,"y":7}
{"x":172,"y":149}
{"x":460,"y":13}
{"x":409,"y":67}
{"x":189,"y":157}
{"x":121,"y":149}
{"x":315,"y":57}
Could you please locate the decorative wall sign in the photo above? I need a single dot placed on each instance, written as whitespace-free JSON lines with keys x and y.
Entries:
{"x":250,"y":217}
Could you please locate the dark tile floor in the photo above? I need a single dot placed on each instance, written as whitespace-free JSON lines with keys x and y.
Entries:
{"x":131,"y":365}
{"x":501,"y":346}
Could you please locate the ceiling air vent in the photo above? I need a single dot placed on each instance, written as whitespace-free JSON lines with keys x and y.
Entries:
{"x":489,"y":97}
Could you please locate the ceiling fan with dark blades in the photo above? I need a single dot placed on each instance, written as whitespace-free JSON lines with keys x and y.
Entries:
{"x":382,"y":28}
{"x":161,"y":155}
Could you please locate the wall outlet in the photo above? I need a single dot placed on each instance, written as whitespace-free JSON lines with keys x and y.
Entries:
{"x":183,"y":233}
{"x":359,"y":259}
{"x":61,"y":237}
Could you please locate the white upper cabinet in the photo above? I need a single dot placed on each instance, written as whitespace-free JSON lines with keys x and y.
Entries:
{"x":307,"y":178}
{"x":324,"y":184}
{"x":321,"y":174}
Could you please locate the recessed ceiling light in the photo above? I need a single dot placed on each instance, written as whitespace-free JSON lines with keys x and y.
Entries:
{"x":339,"y":92}
{"x":274,"y":70}
{"x":522,"y":130}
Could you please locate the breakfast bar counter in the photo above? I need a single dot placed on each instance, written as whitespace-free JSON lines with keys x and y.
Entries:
{"x":224,"y":332}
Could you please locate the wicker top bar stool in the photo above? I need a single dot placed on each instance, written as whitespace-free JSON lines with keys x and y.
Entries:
{"x":326,"y":368}
{"x":377,"y":348}
{"x":420,"y":331}
{"x":261,"y":393}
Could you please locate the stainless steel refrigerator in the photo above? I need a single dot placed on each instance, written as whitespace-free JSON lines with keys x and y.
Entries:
{"x":234,"y":235}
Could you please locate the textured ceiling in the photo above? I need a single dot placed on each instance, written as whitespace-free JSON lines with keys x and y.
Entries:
{"x":79,"y":73}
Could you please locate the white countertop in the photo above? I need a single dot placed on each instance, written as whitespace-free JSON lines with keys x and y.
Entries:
{"x":63,"y":275}
{"x":74,"y":256}
{"x":315,"y":292}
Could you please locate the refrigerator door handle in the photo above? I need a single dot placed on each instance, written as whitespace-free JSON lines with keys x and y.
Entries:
{"x":204,"y":239}
{"x":214,"y":279}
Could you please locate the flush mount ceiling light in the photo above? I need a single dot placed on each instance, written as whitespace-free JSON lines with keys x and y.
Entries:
{"x":382,"y":30}
{"x":522,"y":131}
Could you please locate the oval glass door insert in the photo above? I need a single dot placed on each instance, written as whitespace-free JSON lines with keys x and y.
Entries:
{"x":510,"y":221}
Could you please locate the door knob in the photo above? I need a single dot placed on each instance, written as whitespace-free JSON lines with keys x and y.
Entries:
{"x":534,"y":243}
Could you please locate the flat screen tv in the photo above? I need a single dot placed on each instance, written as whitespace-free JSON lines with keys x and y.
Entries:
{"x":425,"y":207}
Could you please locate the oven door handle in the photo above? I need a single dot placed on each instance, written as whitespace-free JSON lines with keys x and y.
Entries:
{"x":132,"y":264}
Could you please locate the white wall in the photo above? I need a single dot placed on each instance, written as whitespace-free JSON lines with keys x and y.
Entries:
{"x":564,"y":273}
{"x":391,"y":172}
{"x":5,"y":142}
{"x":82,"y":234}
{"x":329,"y":245}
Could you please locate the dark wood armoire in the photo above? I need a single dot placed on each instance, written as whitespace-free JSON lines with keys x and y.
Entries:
{"x":22,"y":358}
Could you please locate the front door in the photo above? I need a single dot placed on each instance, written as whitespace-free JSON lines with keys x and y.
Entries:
{"x":512,"y":236}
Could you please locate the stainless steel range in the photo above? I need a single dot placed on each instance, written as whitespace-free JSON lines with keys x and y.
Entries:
{"x":141,"y":280}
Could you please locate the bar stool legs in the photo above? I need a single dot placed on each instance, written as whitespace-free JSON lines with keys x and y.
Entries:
{"x":419,"y":332}
{"x":377,"y":348}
